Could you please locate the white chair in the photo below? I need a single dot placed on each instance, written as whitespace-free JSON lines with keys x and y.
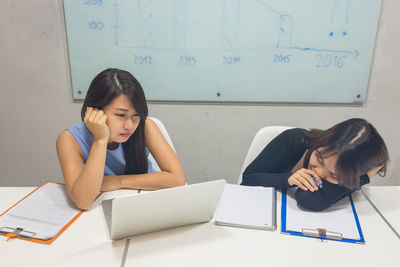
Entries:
{"x":167,"y":138}
{"x":260,"y":140}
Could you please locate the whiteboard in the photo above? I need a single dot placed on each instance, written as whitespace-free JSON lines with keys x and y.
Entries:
{"x":309,"y":51}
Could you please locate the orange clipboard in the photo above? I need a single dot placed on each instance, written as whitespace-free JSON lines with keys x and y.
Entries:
{"x":17,"y":230}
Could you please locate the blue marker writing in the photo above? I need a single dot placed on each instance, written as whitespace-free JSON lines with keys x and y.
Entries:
{"x":318,"y":183}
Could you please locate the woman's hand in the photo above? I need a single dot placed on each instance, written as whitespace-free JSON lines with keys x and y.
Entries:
{"x":95,"y":120}
{"x":303,"y":178}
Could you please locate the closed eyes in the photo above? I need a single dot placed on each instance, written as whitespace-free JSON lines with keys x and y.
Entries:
{"x":321,"y":161}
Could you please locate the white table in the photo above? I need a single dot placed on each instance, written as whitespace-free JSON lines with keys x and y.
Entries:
{"x":387,"y":200}
{"x":86,"y":242}
{"x":212,"y":245}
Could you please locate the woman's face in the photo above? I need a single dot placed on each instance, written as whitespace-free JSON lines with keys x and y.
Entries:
{"x":324,"y":167}
{"x":122,"y":119}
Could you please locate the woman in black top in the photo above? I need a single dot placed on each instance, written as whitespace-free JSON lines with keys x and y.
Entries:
{"x":342,"y":159}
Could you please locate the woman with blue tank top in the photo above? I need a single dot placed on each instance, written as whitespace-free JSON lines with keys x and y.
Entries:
{"x":109,"y":149}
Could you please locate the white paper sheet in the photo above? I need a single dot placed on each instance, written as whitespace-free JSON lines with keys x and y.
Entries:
{"x":45,"y":212}
{"x":338,"y":218}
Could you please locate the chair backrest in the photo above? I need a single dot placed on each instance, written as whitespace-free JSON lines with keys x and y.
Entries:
{"x":260,"y":140}
{"x":164,"y":132}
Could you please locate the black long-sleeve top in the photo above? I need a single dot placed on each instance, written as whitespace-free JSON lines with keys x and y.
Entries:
{"x":272,"y":168}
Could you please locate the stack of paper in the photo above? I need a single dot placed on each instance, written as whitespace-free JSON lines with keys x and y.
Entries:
{"x":248,"y":207}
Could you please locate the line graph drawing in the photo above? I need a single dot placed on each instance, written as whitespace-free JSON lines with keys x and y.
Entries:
{"x":279,"y":50}
{"x":171,"y":25}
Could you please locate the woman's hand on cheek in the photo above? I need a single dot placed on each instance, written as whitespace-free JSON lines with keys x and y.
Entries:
{"x":96,"y":121}
{"x":303,"y":178}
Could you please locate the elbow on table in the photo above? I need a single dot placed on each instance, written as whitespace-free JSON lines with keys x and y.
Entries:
{"x":245,"y":181}
{"x":180,"y":180}
{"x":83,"y":204}
{"x":175,"y":179}
{"x":248,"y":180}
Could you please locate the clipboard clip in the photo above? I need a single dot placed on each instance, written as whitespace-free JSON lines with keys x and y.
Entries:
{"x":12,"y":233}
{"x":321,"y":233}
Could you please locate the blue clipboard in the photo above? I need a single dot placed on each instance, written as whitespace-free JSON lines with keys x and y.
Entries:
{"x":320,"y":233}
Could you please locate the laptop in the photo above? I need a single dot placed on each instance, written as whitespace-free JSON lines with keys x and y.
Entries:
{"x":153,"y":211}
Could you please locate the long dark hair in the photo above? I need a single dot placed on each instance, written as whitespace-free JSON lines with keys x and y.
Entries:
{"x":105,"y":87}
{"x":358,"y":145}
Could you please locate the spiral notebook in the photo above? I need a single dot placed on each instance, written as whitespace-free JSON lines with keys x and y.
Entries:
{"x":247,"y":207}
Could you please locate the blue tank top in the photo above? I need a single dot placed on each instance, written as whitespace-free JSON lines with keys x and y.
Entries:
{"x":115,"y":159}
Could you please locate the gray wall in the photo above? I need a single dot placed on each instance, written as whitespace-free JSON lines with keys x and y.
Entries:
{"x":211,"y":140}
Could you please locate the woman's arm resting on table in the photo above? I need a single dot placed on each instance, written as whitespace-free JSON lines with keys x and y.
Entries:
{"x":323,"y":198}
{"x":171,"y":173}
{"x":329,"y":194}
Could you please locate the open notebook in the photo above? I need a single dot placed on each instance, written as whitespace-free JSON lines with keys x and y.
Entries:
{"x":40,"y":216}
{"x":247,"y":207}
